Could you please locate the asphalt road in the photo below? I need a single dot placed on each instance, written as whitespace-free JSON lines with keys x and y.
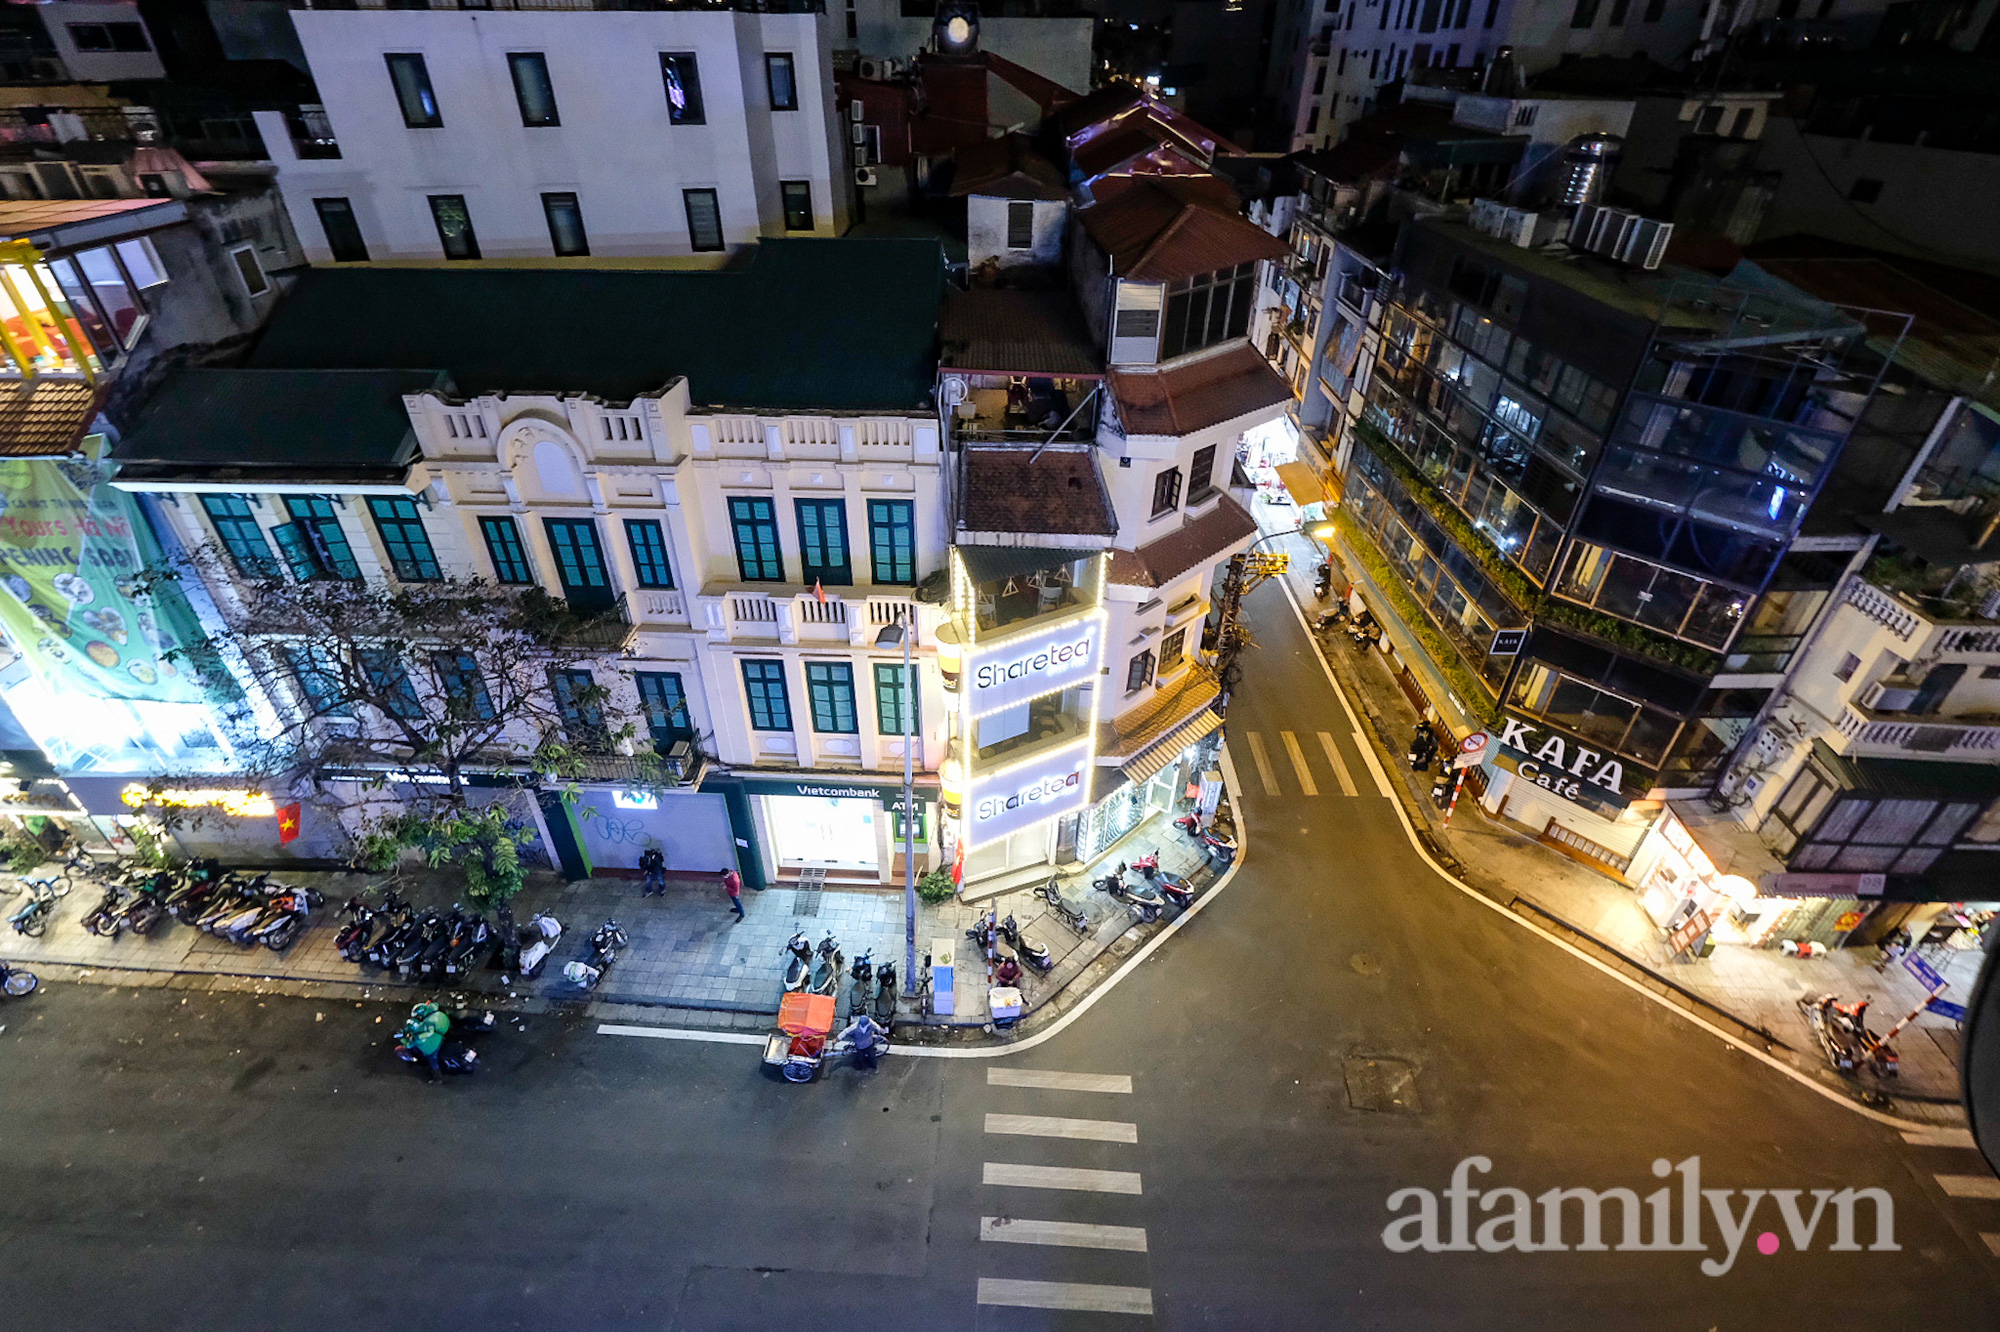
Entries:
{"x":223,"y":1163}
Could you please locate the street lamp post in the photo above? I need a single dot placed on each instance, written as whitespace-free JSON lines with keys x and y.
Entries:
{"x":901,"y":632}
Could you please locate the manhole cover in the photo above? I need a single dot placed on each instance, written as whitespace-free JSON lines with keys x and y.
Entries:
{"x":1383,"y":1085}
{"x":1364,"y":964}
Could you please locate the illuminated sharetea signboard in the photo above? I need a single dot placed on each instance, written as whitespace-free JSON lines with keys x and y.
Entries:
{"x":1012,"y":799}
{"x":1001,"y":675}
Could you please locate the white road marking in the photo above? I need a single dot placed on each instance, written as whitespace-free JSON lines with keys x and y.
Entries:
{"x":1306,"y":782}
{"x":1066,"y":1295}
{"x":1339,"y":764}
{"x":1992,"y":1241}
{"x":1072,"y":1234}
{"x":680,"y":1034}
{"x":1044,"y":1079}
{"x":1050,"y":1126}
{"x":1061,"y":1177}
{"x":1941,"y":1137}
{"x":1959,"y":1186}
{"x":1499,"y":909}
{"x":1263,"y":762}
{"x":1374,"y":768}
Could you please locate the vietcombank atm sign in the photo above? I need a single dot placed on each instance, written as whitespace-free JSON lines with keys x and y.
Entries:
{"x":1011,"y":800}
{"x":1014,"y":670}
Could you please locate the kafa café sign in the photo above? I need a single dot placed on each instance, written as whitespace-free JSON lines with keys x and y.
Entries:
{"x":1015,"y":799}
{"x":1014,"y":670}
{"x":1561,"y":765}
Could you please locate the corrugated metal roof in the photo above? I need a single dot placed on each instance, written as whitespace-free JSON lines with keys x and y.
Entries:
{"x":24,"y":217}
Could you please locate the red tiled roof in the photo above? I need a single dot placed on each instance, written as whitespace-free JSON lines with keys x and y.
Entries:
{"x":1159,"y":232}
{"x":1193,"y":397}
{"x":1059,"y":493}
{"x":1089,"y":110}
{"x":1218,"y":532}
{"x":1009,"y":168}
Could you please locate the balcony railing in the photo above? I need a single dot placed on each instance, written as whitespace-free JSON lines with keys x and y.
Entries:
{"x":1969,"y":738}
{"x":649,"y":606}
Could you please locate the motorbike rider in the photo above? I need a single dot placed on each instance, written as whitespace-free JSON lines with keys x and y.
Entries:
{"x":868,"y":1038}
{"x":424,"y":1033}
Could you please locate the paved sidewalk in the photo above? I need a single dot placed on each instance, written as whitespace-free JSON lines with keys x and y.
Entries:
{"x":1758,"y":988}
{"x":688,"y":950}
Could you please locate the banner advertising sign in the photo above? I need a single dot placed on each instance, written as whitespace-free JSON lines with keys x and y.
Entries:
{"x":1007,"y":801}
{"x":71,"y":551}
{"x":1014,"y":670}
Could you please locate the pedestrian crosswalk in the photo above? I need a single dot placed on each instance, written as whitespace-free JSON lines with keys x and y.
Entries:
{"x":1304,"y":776}
{"x":1976,"y":1191}
{"x":1068,"y":1201}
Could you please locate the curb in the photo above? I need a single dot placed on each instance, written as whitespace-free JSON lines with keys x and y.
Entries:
{"x":1840,"y":1094}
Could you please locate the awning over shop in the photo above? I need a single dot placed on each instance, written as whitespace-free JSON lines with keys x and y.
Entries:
{"x":1301,"y":483}
{"x":1144,"y":742}
{"x":1162,"y":751}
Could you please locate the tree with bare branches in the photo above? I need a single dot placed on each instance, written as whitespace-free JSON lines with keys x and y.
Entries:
{"x":400,"y":707}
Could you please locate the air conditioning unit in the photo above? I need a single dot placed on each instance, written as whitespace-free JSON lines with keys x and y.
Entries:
{"x":875,"y":68}
{"x":857,"y":133}
{"x":1515,"y":227}
{"x":1645,"y":242}
{"x":864,"y":175}
{"x":1485,"y":215}
{"x":1891,"y":695}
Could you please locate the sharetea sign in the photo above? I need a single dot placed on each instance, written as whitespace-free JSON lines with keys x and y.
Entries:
{"x":1015,"y":799}
{"x":1014,"y":670}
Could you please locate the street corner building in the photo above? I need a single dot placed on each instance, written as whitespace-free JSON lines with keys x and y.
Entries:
{"x":735,"y":481}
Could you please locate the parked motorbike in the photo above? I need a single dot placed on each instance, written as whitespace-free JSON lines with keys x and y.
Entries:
{"x":1362,"y":631}
{"x":473,"y":942}
{"x":828,"y":965}
{"x":1219,"y":845}
{"x":1061,"y":909}
{"x":107,"y":918}
{"x":430,"y":962}
{"x":33,"y":919}
{"x":16,"y":983}
{"x":399,"y":924}
{"x":1178,"y":892}
{"x":1441,"y":787}
{"x":1036,"y":955}
{"x":1322,"y":580}
{"x":362,"y":916}
{"x":982,"y":933}
{"x":885,"y":993}
{"x":147,"y":906}
{"x":283,"y":919}
{"x":1841,"y":1031}
{"x":1148,"y":864}
{"x":798,"y":968}
{"x":538,"y":940}
{"x":1423,"y":748}
{"x":862,"y":976}
{"x":1142,"y":897}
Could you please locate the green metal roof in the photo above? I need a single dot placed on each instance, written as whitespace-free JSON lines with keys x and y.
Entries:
{"x":835,"y":325}
{"x":275,"y":421}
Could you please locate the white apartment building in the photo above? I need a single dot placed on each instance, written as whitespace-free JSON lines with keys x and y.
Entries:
{"x":1332,"y":60}
{"x":744,"y":559}
{"x":575,"y":134}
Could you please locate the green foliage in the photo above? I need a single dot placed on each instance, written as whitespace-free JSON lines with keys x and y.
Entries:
{"x":1516,"y":586}
{"x":1472,"y":691}
{"x":20,"y":852}
{"x":936,"y":886}
{"x":149,"y":849}
{"x":482,"y":842}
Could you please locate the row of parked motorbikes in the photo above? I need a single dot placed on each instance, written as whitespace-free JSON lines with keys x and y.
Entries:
{"x":445,"y":943}
{"x":817,"y":970}
{"x":245,"y":909}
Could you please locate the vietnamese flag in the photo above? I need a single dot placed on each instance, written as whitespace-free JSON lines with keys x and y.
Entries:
{"x":288,"y":823}
{"x":958,"y":864}
{"x":819,"y":593}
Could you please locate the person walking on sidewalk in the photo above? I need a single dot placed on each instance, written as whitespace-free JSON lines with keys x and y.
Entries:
{"x":732,"y":883}
{"x":652,"y":872}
